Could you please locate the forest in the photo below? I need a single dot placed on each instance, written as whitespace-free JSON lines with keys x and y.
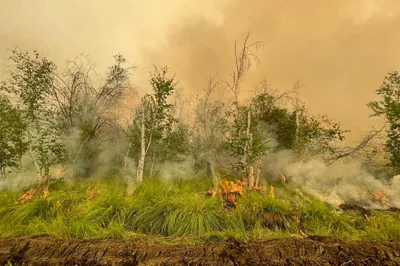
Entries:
{"x":88,"y":155}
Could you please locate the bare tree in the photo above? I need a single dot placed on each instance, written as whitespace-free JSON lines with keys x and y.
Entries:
{"x":243,"y":61}
{"x":75,"y":92}
{"x":87,"y":103}
{"x":209,"y":123}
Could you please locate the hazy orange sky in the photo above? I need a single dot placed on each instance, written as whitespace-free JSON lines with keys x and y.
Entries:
{"x":340,"y":50}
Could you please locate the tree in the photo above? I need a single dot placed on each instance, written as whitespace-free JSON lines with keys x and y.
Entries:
{"x":209,"y":127}
{"x":12,"y":141}
{"x":245,"y":143}
{"x":244,"y":139}
{"x":315,"y":134}
{"x":31,"y":85}
{"x":389,"y":108}
{"x":89,"y":108}
{"x":155,"y":129}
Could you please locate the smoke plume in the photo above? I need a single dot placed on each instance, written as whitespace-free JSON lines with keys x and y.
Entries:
{"x":338,"y":183}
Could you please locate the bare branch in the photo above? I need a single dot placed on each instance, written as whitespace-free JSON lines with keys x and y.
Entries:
{"x":363,"y":143}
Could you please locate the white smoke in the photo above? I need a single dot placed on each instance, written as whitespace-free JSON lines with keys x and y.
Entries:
{"x":338,"y":183}
{"x":182,"y":169}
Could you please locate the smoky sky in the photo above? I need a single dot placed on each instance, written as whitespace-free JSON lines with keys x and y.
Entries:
{"x":339,"y":50}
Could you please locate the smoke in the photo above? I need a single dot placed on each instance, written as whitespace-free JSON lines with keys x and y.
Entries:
{"x":339,"y":50}
{"x":184,"y":169}
{"x":338,"y":183}
{"x":27,"y":176}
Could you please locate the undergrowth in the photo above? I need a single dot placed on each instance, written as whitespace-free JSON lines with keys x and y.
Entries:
{"x":181,"y":210}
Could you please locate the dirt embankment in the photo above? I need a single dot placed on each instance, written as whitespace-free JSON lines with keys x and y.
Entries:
{"x":307,"y":251}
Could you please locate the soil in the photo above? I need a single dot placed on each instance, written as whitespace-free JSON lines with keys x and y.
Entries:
{"x":45,"y":250}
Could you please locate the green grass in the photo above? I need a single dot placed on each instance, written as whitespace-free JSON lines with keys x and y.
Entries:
{"x":180,"y":211}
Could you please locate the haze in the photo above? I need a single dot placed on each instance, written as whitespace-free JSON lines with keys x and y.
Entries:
{"x":340,"y":50}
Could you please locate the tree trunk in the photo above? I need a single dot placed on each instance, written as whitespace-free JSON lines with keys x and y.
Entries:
{"x":296,"y":136}
{"x":215,"y":177}
{"x":127,"y":156}
{"x":258,"y":173}
{"x":139,"y":176}
{"x":2,"y":172}
{"x":248,"y":153}
{"x":153,"y":160}
{"x":251,"y":176}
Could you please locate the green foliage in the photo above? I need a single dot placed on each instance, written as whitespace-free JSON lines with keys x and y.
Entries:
{"x":166,"y":138}
{"x":297,"y":130}
{"x":32,"y":84}
{"x":389,"y":108}
{"x":317,"y":134}
{"x":12,"y":129}
{"x":31,"y":81}
{"x":245,"y":142}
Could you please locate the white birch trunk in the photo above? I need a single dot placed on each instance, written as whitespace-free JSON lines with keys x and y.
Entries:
{"x":139,"y":176}
{"x":250,"y":168}
{"x":215,"y":177}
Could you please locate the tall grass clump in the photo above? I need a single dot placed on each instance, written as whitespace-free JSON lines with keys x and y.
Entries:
{"x":109,"y":205}
{"x":319,"y":218}
{"x":175,"y":208}
{"x":383,"y":226}
{"x":255,"y":209}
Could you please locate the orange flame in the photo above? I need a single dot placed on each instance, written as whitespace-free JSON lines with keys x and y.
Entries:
{"x":271,"y":192}
{"x":46,"y":192}
{"x":93,"y":192}
{"x":380,"y":197}
{"x":27,"y":196}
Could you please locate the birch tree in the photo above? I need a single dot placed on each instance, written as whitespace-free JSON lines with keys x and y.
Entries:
{"x":155,"y":129}
{"x":31,"y":85}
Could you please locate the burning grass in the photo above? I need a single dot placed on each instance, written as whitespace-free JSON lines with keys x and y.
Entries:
{"x":184,"y":209}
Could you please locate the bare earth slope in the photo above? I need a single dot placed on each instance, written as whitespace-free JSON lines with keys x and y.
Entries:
{"x":307,"y":251}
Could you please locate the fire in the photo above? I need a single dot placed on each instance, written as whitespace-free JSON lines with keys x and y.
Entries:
{"x":229,"y":191}
{"x":232,"y":187}
{"x":46,"y":192}
{"x":259,"y":188}
{"x":27,"y":196}
{"x":296,"y":218}
{"x":271,"y":192}
{"x":380,"y":197}
{"x":92,"y":191}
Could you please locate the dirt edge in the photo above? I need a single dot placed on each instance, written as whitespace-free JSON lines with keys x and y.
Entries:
{"x":306,"y":251}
